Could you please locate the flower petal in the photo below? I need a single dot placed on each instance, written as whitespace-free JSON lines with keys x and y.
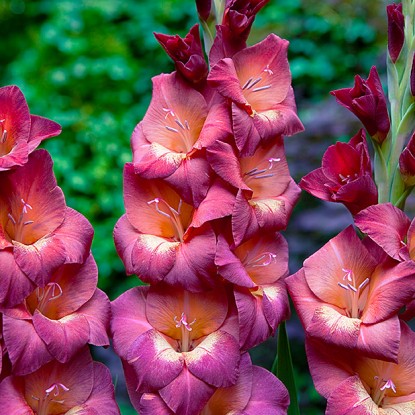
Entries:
{"x":40,"y":129}
{"x":12,"y":399}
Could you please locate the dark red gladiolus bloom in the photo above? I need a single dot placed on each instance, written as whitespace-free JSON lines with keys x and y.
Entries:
{"x":407,"y":161}
{"x":367,"y":101}
{"x":345,"y":175}
{"x":20,"y":132}
{"x":186,"y":53}
{"x":396,"y":26}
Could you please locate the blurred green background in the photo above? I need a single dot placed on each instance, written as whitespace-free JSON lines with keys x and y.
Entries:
{"x":88,"y":65}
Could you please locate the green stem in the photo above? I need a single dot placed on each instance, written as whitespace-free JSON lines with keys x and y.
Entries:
{"x":284,"y":370}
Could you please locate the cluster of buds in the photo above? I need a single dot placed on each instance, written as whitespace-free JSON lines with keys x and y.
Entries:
{"x":50,"y":307}
{"x":205,"y":196}
{"x":355,"y":295}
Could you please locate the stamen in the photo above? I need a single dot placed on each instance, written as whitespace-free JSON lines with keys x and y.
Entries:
{"x":254,"y":82}
{"x":174,"y":130}
{"x":343,"y":286}
{"x":389,"y":385}
{"x":265,"y":176}
{"x":55,"y":388}
{"x":186,"y":124}
{"x":262,"y":88}
{"x":271,"y":162}
{"x":4,"y":136}
{"x":157,"y":201}
{"x":267,"y":258}
{"x":28,"y":222}
{"x":183,"y":322}
{"x":25,"y":206}
{"x":364,"y":283}
{"x":11,"y":218}
{"x":255,"y":171}
{"x":178,"y":122}
{"x":247,"y":83}
{"x":354,"y":289}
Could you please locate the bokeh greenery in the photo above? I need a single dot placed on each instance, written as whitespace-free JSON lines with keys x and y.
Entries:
{"x":88,"y":65}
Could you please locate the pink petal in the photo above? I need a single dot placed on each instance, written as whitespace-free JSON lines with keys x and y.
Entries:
{"x":26,"y":349}
{"x":76,"y":234}
{"x":14,"y":284}
{"x":63,"y":337}
{"x":129,"y":310}
{"x":97,"y":312}
{"x":17,"y":156}
{"x":155,"y":362}
{"x":39,"y":260}
{"x":315,"y":184}
{"x":275,"y":304}
{"x":244,"y":220}
{"x":186,"y":395}
{"x":218,"y":203}
{"x":41,"y":128}
{"x":151,"y":404}
{"x":215,"y":360}
{"x":386,"y":225}
{"x":269,"y":395}
{"x":12,"y":399}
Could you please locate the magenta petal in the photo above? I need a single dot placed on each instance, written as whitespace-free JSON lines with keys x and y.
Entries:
{"x":275,"y":304}
{"x":151,"y":404}
{"x":253,"y":325}
{"x":380,"y":340}
{"x":101,"y":401}
{"x":314,"y":183}
{"x":125,"y":237}
{"x":230,"y":266}
{"x":18,"y":156}
{"x":26,"y":349}
{"x":153,"y":257}
{"x":218,"y":203}
{"x":14,"y":284}
{"x":386,"y":225}
{"x":186,"y":395}
{"x":97,"y":312}
{"x":63,"y":337}
{"x":269,"y":395}
{"x":215,"y":360}
{"x":194,"y":265}
{"x":244,"y":220}
{"x":12,"y":401}
{"x":39,"y":260}
{"x":41,"y":128}
{"x":192,"y":179}
{"x":76,"y":235}
{"x":129,"y":310}
{"x":155,"y":362}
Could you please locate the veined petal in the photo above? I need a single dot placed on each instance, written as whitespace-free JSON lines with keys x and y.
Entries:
{"x":26,"y":349}
{"x":244,"y":221}
{"x":386,"y":225}
{"x":152,"y":404}
{"x":186,"y":395}
{"x":275,"y":304}
{"x":12,"y":397}
{"x":155,"y":362}
{"x":63,"y":337}
{"x":40,"y":129}
{"x":314,"y":183}
{"x":208,"y":310}
{"x":129,"y":310}
{"x":215,"y":360}
{"x":176,"y":114}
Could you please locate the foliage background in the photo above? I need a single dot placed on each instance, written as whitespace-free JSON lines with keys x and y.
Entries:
{"x":88,"y":65}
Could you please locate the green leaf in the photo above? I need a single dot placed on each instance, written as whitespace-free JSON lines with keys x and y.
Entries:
{"x":283,"y":369}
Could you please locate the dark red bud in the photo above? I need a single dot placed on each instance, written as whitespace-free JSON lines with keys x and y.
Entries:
{"x":412,"y":80}
{"x":204,"y":8}
{"x":396,"y":35}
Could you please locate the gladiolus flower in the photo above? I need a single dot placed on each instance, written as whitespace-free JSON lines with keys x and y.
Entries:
{"x":258,"y":267}
{"x":80,"y":386}
{"x":183,"y":345}
{"x":256,"y":392}
{"x":345,"y":298}
{"x":156,"y":239}
{"x":357,"y":385}
{"x":396,"y":30}
{"x":20,"y":132}
{"x":345,"y":175}
{"x":367,"y":101}
{"x":57,"y":320}
{"x":38,"y":232}
{"x":186,"y":53}
{"x":257,"y":80}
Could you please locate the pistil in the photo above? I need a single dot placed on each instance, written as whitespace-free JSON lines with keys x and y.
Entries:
{"x":380,"y":389}
{"x":50,"y":292}
{"x":52,"y":395}
{"x":185,"y":343}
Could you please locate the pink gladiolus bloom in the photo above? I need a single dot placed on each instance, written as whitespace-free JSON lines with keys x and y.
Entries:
{"x":57,"y":320}
{"x":183,"y":345}
{"x":78,"y":387}
{"x":186,"y":53}
{"x":156,"y":239}
{"x":38,"y":232}
{"x":266,"y":192}
{"x":20,"y":132}
{"x":357,"y":385}
{"x":367,"y":101}
{"x":256,"y":392}
{"x":168,"y":142}
{"x":257,"y":80}
{"x":258,"y":267}
{"x":345,"y":298}
{"x":345,"y":175}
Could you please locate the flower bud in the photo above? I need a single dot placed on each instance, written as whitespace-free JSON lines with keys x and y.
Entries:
{"x":204,"y":8}
{"x":412,"y":79}
{"x":396,"y":36}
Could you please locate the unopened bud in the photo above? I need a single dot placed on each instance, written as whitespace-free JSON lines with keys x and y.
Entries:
{"x":396,"y":35}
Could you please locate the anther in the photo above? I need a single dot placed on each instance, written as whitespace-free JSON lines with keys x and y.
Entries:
{"x":343,"y":286}
{"x":4,"y":136}
{"x":174,"y":130}
{"x":364,"y":283}
{"x":11,"y":218}
{"x":28,"y":222}
{"x":186,"y":124}
{"x":179,"y":123}
{"x":262,"y":88}
{"x":156,"y":201}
